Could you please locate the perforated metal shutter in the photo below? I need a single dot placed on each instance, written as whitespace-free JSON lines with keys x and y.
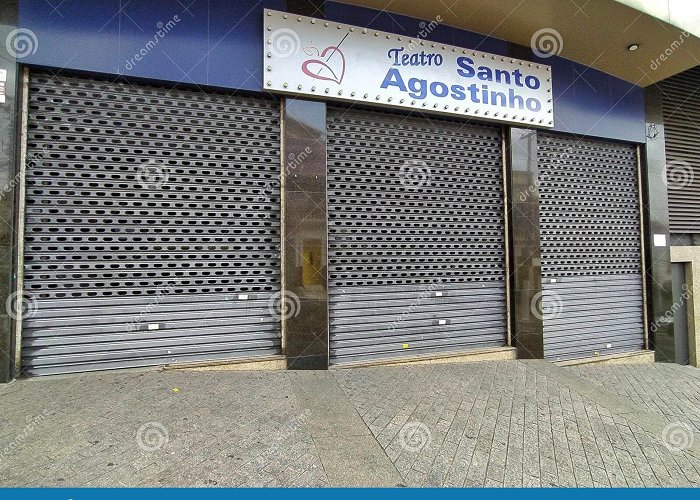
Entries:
{"x":152,"y":226}
{"x":416,"y":246}
{"x":590,"y":237}
{"x":681,"y":105}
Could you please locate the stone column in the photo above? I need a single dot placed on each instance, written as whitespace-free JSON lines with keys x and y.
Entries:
{"x":13,"y":45}
{"x":657,"y":235}
{"x":521,"y":158}
{"x":690,"y":256}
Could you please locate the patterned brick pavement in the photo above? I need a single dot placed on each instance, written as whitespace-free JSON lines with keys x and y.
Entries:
{"x":156,"y":428}
{"x":480,"y":424}
{"x":505,"y":424}
{"x":662,"y":388}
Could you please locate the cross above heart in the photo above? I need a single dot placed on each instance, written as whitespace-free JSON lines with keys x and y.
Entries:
{"x":330,"y":65}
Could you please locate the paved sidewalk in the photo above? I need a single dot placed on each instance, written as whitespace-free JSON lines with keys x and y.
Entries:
{"x":512,"y":423}
{"x":662,"y":388}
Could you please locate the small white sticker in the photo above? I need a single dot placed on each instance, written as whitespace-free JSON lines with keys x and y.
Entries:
{"x":3,"y":75}
{"x":608,"y":346}
{"x":154,"y":326}
{"x":442,"y":322}
{"x":243,"y":297}
{"x":438,"y":294}
{"x":553,"y":280}
{"x":659,"y":240}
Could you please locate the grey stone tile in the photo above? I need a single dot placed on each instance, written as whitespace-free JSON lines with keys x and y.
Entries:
{"x":481,"y":424}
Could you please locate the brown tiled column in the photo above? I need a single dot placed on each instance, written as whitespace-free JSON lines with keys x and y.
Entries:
{"x":304,"y":223}
{"x":521,"y":149}
{"x":304,"y":234}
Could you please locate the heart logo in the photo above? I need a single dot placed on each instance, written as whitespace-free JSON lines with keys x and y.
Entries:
{"x":332,"y":69}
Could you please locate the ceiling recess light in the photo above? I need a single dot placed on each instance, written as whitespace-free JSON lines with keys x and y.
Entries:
{"x":633,"y":47}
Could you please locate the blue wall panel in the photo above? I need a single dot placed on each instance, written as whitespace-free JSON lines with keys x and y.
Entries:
{"x":215,"y":42}
{"x":220,"y":43}
{"x":590,"y":102}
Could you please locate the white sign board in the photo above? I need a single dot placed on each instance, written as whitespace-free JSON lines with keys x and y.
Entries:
{"x":328,"y":60}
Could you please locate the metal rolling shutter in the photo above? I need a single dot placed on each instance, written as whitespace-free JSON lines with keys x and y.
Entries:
{"x":413,"y":268}
{"x":681,"y":105}
{"x":591,"y":260}
{"x":152,"y":226}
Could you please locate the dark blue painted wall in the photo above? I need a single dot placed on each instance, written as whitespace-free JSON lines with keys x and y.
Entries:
{"x":216,"y":42}
{"x":220,"y":43}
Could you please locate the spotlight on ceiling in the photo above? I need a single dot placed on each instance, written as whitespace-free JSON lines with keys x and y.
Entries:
{"x":633,"y":47}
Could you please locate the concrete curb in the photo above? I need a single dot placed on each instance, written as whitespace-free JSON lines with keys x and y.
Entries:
{"x":474,"y":355}
{"x":638,"y":357}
